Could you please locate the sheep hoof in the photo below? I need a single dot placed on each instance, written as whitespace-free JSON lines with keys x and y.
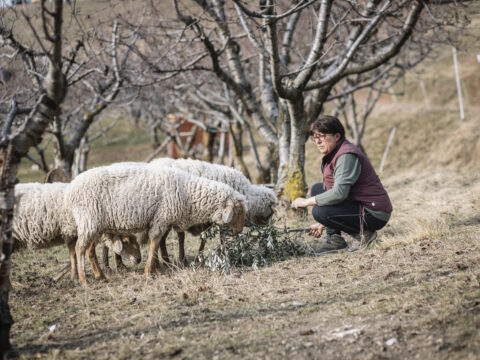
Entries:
{"x":149,"y":276}
{"x":121,"y":268}
{"x":108,"y":271}
{"x":150,"y":271}
{"x":183,"y":264}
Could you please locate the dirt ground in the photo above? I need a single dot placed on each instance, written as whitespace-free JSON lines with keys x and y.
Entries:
{"x":414,"y":294}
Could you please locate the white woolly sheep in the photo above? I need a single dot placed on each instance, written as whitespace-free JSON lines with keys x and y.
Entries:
{"x":41,"y":220}
{"x":260,"y":200}
{"x":128,"y":242}
{"x":128,"y":199}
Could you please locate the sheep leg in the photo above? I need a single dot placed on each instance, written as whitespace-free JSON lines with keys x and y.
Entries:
{"x":80,"y":253}
{"x":97,"y":271}
{"x":106,"y":265}
{"x":119,"y":265}
{"x":142,"y":237}
{"x":73,"y":261}
{"x":155,"y":263}
{"x":181,"y":248}
{"x":163,"y":249}
{"x":84,"y":242}
{"x":202,"y":245}
{"x":150,"y":266}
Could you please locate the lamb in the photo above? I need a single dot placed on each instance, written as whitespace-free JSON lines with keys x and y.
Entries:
{"x":41,"y":220}
{"x":128,"y":199}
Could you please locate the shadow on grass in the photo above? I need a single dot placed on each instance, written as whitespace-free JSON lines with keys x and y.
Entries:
{"x":474,"y":220}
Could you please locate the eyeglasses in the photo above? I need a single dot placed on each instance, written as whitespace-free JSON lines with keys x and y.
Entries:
{"x":316,"y":137}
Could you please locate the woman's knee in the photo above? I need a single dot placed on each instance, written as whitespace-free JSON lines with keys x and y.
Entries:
{"x":319,"y":214}
{"x":316,"y":189}
{"x":373,"y":223}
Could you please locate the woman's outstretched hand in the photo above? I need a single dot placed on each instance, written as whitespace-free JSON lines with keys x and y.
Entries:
{"x":300,"y":203}
{"x":316,"y":230}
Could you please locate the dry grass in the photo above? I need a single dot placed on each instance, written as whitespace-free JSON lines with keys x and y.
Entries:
{"x":424,"y":295}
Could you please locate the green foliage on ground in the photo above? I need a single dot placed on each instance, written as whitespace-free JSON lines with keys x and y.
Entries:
{"x":256,"y":247}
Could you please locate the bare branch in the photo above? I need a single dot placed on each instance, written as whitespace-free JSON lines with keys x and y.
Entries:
{"x":362,"y":85}
{"x":250,"y":33}
{"x":315,"y":51}
{"x":266,"y":14}
{"x":35,"y":34}
{"x":11,"y":116}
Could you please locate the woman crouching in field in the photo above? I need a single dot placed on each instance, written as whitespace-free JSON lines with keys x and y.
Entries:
{"x":351,"y":198}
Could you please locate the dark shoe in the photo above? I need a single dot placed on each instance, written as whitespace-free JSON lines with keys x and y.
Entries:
{"x":370,"y":236}
{"x":333,"y":243}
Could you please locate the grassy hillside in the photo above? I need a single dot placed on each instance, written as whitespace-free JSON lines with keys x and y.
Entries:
{"x":414,"y":294}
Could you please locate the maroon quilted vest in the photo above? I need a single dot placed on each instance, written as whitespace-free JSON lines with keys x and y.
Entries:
{"x":368,"y":190}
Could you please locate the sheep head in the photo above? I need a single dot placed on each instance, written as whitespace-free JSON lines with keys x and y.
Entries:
{"x":126,"y":246}
{"x":261,"y":204}
{"x":234,"y":213}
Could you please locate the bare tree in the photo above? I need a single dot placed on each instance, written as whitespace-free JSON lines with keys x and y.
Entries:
{"x":102,"y":82}
{"x":218,"y":101}
{"x":101,"y":72}
{"x":356,"y":105}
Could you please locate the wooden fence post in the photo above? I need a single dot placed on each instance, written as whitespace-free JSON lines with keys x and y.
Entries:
{"x":459,"y":87}
{"x":384,"y":157}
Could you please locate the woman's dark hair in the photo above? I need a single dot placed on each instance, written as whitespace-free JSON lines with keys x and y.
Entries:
{"x":327,"y":124}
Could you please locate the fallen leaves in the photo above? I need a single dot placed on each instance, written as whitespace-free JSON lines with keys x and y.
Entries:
{"x":459,"y":266}
{"x":307,"y":332}
{"x":391,"y":274}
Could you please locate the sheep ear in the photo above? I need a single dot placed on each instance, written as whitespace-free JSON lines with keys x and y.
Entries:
{"x":108,"y":242}
{"x":227,"y":214}
{"x":117,"y":246}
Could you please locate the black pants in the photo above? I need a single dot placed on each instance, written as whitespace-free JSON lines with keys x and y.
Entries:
{"x":344,"y":216}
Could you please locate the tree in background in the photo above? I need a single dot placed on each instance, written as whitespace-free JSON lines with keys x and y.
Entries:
{"x":230,"y":109}
{"x":99,"y":74}
{"x":354,"y":106}
{"x":99,"y":84}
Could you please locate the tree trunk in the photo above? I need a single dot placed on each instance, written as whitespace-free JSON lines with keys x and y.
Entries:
{"x":65,"y":159}
{"x":284,"y":142}
{"x":11,"y":152}
{"x":236,"y":133}
{"x":8,"y":173}
{"x":154,"y":138}
{"x":210,"y":146}
{"x":292,"y":181}
{"x":221,"y":148}
{"x":81,"y":157}
{"x":17,"y":145}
